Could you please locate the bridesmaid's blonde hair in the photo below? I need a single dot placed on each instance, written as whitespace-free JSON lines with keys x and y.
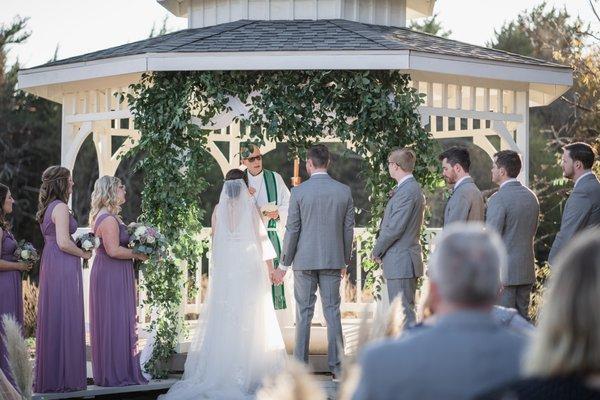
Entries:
{"x":567,"y":340}
{"x":105,"y":196}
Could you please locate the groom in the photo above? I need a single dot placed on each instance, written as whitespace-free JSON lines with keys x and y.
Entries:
{"x":318,"y":246}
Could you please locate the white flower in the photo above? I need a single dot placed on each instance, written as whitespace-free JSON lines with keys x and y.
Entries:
{"x":377,"y":273}
{"x":150,"y":239}
{"x":96,"y":242}
{"x":87,"y":245}
{"x":140,"y":230}
{"x":25,"y":254}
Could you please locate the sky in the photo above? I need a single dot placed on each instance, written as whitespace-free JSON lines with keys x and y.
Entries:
{"x":82,"y":26}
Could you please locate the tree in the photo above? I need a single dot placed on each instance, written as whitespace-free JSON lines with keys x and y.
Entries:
{"x":552,"y":34}
{"x":29,"y":137}
{"x":430,"y":25}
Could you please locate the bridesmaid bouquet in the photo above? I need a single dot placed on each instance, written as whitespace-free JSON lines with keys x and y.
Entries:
{"x":87,"y":242}
{"x":146,"y":239}
{"x":26,"y":253}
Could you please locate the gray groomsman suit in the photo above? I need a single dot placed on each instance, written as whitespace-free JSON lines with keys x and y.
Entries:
{"x":460,"y":356}
{"x":465,"y":203}
{"x":582,"y":211}
{"x":318,"y":244}
{"x":398,"y":244}
{"x":513,"y":211}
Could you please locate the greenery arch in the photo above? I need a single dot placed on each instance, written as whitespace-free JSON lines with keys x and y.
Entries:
{"x":374,"y":110}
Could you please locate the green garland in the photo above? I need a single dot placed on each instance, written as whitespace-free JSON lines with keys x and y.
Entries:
{"x":374,"y":110}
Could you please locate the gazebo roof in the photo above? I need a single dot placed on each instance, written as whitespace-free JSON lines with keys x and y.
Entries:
{"x":335,"y":44}
{"x":302,"y":35}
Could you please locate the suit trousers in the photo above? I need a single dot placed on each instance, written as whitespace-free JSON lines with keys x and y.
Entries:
{"x":517,"y":297}
{"x":405,"y":288}
{"x":328,"y":282}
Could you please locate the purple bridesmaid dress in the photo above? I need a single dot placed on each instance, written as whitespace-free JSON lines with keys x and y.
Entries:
{"x":11,"y":295}
{"x":115,"y":359}
{"x":60,"y":336}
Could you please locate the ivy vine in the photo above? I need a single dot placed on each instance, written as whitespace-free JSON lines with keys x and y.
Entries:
{"x":375,"y":111}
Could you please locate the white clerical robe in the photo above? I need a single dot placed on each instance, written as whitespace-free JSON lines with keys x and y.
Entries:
{"x":283,"y":197}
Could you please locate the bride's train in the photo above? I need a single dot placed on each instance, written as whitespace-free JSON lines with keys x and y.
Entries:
{"x":238,"y":341}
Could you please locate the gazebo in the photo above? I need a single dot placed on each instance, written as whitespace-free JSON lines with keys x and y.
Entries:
{"x":470,"y":91}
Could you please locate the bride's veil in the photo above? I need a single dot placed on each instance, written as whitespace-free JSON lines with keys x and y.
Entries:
{"x":239,"y":237}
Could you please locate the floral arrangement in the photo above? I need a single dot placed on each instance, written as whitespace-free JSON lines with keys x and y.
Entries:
{"x":87,"y":242}
{"x":146,"y":239}
{"x":26,"y":253}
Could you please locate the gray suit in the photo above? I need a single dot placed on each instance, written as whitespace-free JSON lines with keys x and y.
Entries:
{"x":461,"y":355}
{"x":398,"y":244}
{"x":582,"y":211}
{"x":513,"y":211}
{"x":465,"y":203}
{"x":318,"y":244}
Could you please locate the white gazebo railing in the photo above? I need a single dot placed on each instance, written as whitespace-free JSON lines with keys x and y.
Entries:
{"x":357,"y":303}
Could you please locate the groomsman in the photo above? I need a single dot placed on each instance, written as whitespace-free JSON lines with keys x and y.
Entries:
{"x":398,"y":246}
{"x":582,"y":209}
{"x":465,"y":202}
{"x":513,"y":211}
{"x":268,"y":187}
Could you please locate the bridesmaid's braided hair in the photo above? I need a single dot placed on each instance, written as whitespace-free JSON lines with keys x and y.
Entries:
{"x":55,"y":186}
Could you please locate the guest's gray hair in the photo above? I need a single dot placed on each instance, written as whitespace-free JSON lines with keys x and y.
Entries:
{"x":466,"y":264}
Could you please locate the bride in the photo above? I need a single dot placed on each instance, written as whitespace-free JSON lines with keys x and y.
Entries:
{"x":238,"y":341}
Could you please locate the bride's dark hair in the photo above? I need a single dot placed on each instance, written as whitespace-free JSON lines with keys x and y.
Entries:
{"x":232,"y":175}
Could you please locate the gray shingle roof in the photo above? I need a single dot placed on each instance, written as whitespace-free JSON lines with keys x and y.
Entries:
{"x":301,"y":35}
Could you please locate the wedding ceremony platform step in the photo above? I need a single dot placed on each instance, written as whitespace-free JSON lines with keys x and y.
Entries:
{"x":317,"y":348}
{"x":94,"y":391}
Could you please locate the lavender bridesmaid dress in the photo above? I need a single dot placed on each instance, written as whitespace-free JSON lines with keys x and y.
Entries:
{"x":60,"y":336}
{"x":11,"y":295}
{"x":115,"y":359}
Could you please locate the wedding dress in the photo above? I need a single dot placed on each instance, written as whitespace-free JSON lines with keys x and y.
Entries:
{"x":238,"y":341}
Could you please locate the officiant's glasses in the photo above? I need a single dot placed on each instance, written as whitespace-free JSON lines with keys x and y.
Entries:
{"x":255,"y":158}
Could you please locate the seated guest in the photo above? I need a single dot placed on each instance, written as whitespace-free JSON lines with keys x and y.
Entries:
{"x":465,"y":351}
{"x":564,"y":359}
{"x":504,"y":316}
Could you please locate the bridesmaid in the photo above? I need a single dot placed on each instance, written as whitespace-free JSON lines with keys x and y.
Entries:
{"x":11,"y":291}
{"x":115,"y":359}
{"x":60,"y":336}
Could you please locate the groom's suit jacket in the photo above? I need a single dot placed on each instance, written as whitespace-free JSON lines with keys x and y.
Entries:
{"x":320,"y":225}
{"x":398,"y":243}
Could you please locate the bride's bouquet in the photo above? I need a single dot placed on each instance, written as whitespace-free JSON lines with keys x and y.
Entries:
{"x":26,"y":253}
{"x":146,"y":239}
{"x":87,"y":242}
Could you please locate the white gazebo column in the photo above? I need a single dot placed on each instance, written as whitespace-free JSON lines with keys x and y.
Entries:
{"x":522,"y":107}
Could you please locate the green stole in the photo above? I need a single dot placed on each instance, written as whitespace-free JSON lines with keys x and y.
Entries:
{"x":277,"y":291}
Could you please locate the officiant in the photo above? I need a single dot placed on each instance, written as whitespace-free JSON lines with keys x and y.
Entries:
{"x":272,"y":198}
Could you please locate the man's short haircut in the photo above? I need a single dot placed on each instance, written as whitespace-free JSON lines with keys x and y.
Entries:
{"x":583,"y":152}
{"x":509,"y":160}
{"x":457,"y":155}
{"x":319,"y":155}
{"x":404,"y":157}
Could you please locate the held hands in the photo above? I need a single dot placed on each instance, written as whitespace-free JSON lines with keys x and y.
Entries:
{"x":277,"y":276}
{"x":272,"y":214}
{"x":376,"y":259}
